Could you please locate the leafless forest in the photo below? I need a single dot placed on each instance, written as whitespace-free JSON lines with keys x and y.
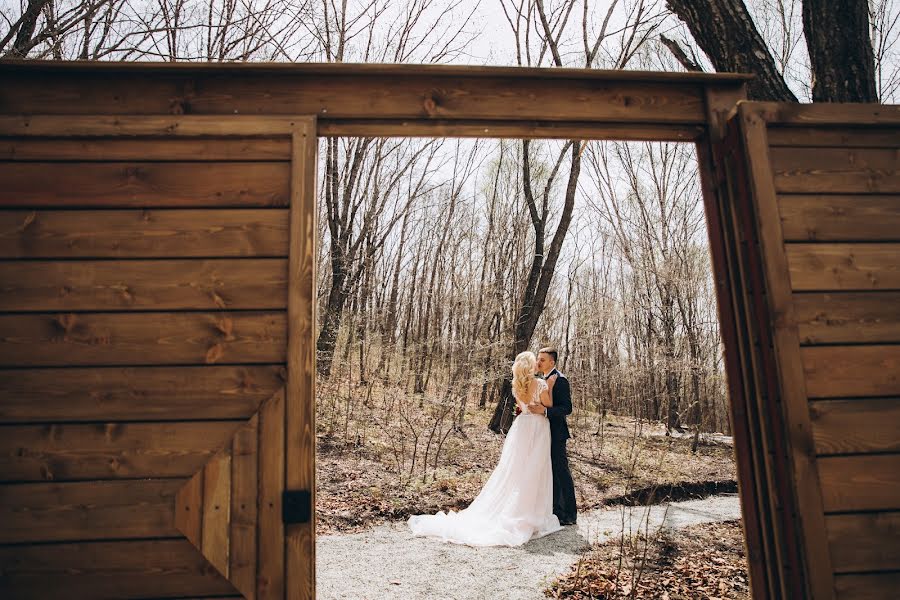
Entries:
{"x":441,"y":259}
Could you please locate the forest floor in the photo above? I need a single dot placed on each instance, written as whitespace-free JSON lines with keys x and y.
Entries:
{"x":617,"y":461}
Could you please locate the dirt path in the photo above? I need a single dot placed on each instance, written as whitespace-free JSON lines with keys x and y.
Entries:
{"x":388,"y":562}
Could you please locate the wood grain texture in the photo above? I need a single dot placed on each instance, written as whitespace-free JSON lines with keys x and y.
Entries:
{"x":845,"y":136}
{"x":270,"y":545}
{"x":867,"y":586}
{"x":860,"y":482}
{"x":852,"y":371}
{"x":856,"y":426}
{"x":839,"y":218}
{"x":91,"y":570}
{"x":836,"y":170}
{"x":864,"y":542}
{"x":161,"y":233}
{"x":144,"y":184}
{"x":87,"y":339}
{"x":207,"y":149}
{"x":189,"y":509}
{"x":850,"y":317}
{"x":244,"y":510}
{"x":215,"y":542}
{"x":136,"y":393}
{"x":844,"y":266}
{"x":94,"y":510}
{"x":796,"y":491}
{"x":110,"y":450}
{"x":583,"y":96}
{"x":828,"y":113}
{"x":143,"y":285}
{"x":300,"y":450}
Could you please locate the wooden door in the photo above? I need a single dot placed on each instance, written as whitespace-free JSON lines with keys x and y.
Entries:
{"x":157,"y":357}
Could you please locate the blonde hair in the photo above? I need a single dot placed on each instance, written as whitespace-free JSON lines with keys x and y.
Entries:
{"x":523,"y":373}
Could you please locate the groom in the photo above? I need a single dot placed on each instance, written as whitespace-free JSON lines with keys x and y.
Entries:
{"x":563,"y":487}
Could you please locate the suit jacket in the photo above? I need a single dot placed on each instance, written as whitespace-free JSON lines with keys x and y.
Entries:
{"x":562,"y":406}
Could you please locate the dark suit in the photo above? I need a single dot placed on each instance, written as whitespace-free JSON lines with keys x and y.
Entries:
{"x":563,"y":487}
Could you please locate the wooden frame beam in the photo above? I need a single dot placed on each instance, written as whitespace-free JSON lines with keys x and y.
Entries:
{"x":385,"y":100}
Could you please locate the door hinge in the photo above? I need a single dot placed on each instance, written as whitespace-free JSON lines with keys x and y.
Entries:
{"x":296,"y":506}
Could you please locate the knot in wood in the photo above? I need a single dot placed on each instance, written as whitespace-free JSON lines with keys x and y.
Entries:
{"x":430,"y":104}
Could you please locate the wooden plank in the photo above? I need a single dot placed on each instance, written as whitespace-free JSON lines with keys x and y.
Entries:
{"x":300,"y":389}
{"x":244,"y":486}
{"x":136,"y":393}
{"x":43,"y":339}
{"x":166,"y":126}
{"x":844,"y":136}
{"x":860,"y":482}
{"x":582,"y":96}
{"x":146,"y":184}
{"x":827,"y":113}
{"x":110,"y":450}
{"x":217,"y":511}
{"x":849,"y":317}
{"x":839,"y":218}
{"x":867,"y":586}
{"x":803,"y":528}
{"x":91,"y":570}
{"x":852,"y":371}
{"x":856,"y":426}
{"x":864,"y":542}
{"x":180,"y":233}
{"x":270,"y":532}
{"x":94,"y":510}
{"x":144,"y":285}
{"x":189,"y":509}
{"x":836,"y":170}
{"x":145,"y":149}
{"x":844,"y":266}
{"x":582,"y":130}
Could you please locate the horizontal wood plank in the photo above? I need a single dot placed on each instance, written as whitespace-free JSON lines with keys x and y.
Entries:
{"x":152,"y":185}
{"x":844,"y":136}
{"x":142,"y":338}
{"x":848,"y":317}
{"x":839,"y":218}
{"x":851,"y":371}
{"x":145,"y":149}
{"x":143,"y":285}
{"x":178,"y":233}
{"x":864,"y":542}
{"x":582,"y":96}
{"x":110,"y":450}
{"x":860,"y":482}
{"x":844,"y":266}
{"x":867,"y":586}
{"x":136,"y":393}
{"x":91,"y":510}
{"x":836,"y":170}
{"x":91,"y":570}
{"x":855,"y":426}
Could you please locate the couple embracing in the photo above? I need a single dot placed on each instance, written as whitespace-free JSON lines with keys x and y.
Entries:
{"x":530,"y":492}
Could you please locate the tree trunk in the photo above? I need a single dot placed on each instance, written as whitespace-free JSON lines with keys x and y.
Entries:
{"x":726,"y":33}
{"x":840,"y":50}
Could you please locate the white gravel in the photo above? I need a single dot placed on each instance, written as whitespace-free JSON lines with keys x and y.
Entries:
{"x":388,"y":562}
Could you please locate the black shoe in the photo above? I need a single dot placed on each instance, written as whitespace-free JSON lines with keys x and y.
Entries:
{"x":561,"y":522}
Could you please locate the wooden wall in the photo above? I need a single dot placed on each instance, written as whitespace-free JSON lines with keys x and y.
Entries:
{"x":835,"y":181}
{"x":143,"y":290}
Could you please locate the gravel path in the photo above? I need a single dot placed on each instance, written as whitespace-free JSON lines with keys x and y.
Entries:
{"x":388,"y":562}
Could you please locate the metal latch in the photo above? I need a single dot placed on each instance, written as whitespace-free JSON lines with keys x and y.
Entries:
{"x":296,"y":506}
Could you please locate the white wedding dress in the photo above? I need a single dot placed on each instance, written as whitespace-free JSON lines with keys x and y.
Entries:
{"x":516,"y":503}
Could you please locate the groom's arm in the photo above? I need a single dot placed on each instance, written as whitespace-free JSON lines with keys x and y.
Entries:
{"x":562,"y":399}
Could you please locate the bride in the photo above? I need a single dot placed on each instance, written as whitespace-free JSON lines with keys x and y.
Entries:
{"x":516,"y":503}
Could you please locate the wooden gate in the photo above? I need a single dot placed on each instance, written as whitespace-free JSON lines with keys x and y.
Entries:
{"x":807,"y":203}
{"x":156,"y":356}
